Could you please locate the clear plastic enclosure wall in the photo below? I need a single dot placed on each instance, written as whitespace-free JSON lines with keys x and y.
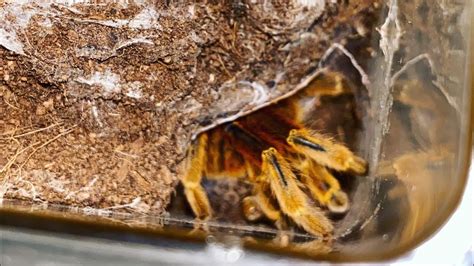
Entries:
{"x":416,"y":139}
{"x":419,"y":141}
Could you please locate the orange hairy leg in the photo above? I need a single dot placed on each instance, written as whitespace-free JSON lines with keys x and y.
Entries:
{"x":326,"y":152}
{"x":323,"y":186}
{"x":254,"y":207}
{"x":292,"y":201}
{"x":195,"y":170}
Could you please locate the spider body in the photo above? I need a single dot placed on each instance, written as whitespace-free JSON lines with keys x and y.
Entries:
{"x":287,"y":163}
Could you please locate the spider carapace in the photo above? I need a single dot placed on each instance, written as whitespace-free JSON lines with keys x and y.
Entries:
{"x":289,"y":166}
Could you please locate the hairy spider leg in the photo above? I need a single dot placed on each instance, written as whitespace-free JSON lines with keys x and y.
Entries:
{"x":323,"y":186}
{"x":260,"y":204}
{"x":195,"y":165}
{"x":326,"y":152}
{"x":291,"y":199}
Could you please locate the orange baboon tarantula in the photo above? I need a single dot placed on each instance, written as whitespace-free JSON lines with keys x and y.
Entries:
{"x":279,"y":155}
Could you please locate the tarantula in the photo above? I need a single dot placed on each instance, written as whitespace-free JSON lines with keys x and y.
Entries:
{"x":281,"y":157}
